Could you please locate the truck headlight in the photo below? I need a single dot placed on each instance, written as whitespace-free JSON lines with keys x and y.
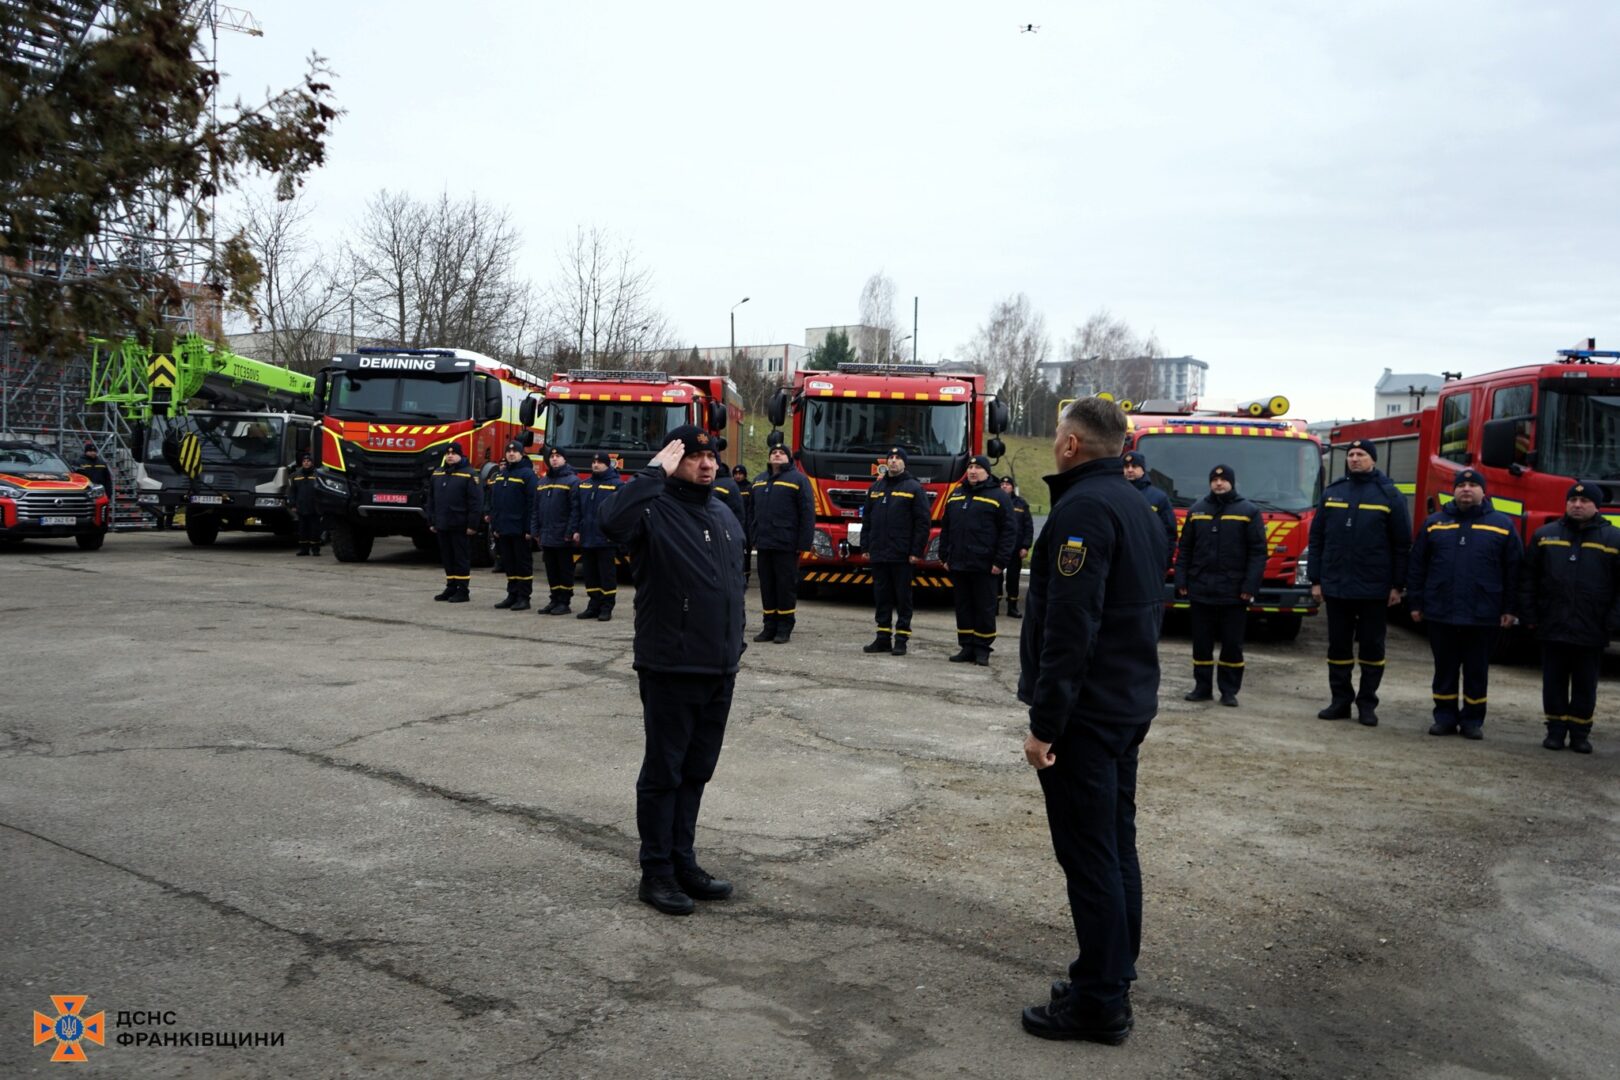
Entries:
{"x":332,"y":484}
{"x":97,"y":491}
{"x":9,"y":492}
{"x":821,"y":545}
{"x":1302,"y":574}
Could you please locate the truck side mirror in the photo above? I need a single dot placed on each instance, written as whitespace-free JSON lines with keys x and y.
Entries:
{"x":321,"y":386}
{"x":720,"y":444}
{"x":995,"y":448}
{"x":171,"y":451}
{"x":997,"y":419}
{"x":776,"y":411}
{"x":526,"y":414}
{"x":493,"y":405}
{"x":1498,"y":443}
{"x":527,"y":439}
{"x":717,"y":416}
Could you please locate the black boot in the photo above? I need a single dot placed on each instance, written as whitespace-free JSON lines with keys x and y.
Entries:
{"x":784,"y":634}
{"x":981,"y":655}
{"x":766,"y":634}
{"x":1343,"y":690}
{"x":884,"y":642}
{"x":1012,"y":610}
{"x":663,"y":894}
{"x":1201,"y":684}
{"x":1556,"y":731}
{"x":302,"y":551}
{"x":1367,"y":695}
{"x":901,"y":642}
{"x":520,"y":604}
{"x":591,"y":611}
{"x":605,"y":614}
{"x":449,"y":591}
{"x":963,"y":655}
{"x":508,"y":602}
{"x":1580,"y":738}
{"x":697,"y":884}
{"x":460,"y":596}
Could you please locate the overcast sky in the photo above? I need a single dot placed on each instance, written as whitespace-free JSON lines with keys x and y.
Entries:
{"x":1299,"y":193}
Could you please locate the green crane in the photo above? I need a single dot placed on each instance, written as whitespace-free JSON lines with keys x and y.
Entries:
{"x":166,"y":378}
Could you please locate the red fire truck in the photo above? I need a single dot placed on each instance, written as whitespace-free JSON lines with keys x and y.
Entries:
{"x":1530,"y":431}
{"x":844,"y":424}
{"x":386,"y":416}
{"x":629,"y":413}
{"x":1279,"y":469}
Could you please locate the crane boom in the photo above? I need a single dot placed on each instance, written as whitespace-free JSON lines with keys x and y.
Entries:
{"x":143,"y":382}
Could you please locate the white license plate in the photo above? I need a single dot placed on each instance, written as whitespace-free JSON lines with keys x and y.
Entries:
{"x":208,"y":500}
{"x":854,"y":536}
{"x":59,"y":521}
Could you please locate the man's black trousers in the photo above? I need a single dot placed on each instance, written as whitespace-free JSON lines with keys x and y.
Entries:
{"x":517,"y":559}
{"x":1569,"y":681}
{"x":455,"y":551}
{"x":779,"y":587}
{"x":1468,"y":648}
{"x":1010,"y":579}
{"x":560,"y":573}
{"x":1224,"y":623}
{"x":975,"y":592}
{"x":601,"y":577}
{"x":891,"y":591}
{"x":684,"y":717}
{"x":1091,"y":811}
{"x":309,"y":531}
{"x":1352,"y":626}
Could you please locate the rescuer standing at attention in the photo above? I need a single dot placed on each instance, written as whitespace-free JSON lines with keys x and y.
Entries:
{"x":1089,"y":672}
{"x":555,"y":523}
{"x":976,"y":541}
{"x":1361,"y":537}
{"x":454,"y":509}
{"x":95,"y":470}
{"x":784,"y":527}
{"x":510,"y":501}
{"x":1136,"y":473}
{"x":306,"y":504}
{"x":1219,"y":567}
{"x":1025,"y":527}
{"x":1463,"y":584}
{"x":894,"y":536}
{"x":1570,"y":593}
{"x":687,"y":553}
{"x":598,"y":552}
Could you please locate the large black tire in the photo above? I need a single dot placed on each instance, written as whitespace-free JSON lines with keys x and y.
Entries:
{"x":1283,"y":626}
{"x":426,"y":543}
{"x":351,"y":542}
{"x":202,"y":529}
{"x":91,"y":541}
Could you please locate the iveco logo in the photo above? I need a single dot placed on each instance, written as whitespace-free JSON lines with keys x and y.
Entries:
{"x":387,"y":442}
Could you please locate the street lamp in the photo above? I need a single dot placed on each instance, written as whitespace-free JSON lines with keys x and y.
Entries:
{"x":635,"y":357}
{"x":894,"y":353}
{"x":732,"y":359}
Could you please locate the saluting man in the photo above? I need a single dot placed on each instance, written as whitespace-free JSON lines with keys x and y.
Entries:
{"x":1463,"y":584}
{"x":1136,"y":473}
{"x":1219,"y":568}
{"x":1570,"y":594}
{"x":307,"y":505}
{"x":598,"y":550}
{"x":976,"y":541}
{"x":784,"y":526}
{"x":1360,"y":540}
{"x":510,"y":501}
{"x":894,"y":536}
{"x":555,"y":522}
{"x":1025,"y":526}
{"x":454,"y":509}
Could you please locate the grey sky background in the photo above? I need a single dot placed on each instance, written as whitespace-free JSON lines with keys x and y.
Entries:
{"x":1299,"y":193}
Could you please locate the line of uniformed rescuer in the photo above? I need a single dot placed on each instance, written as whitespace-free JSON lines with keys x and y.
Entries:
{"x":1089,"y":659}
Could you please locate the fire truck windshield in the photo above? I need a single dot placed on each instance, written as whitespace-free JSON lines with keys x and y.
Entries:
{"x":1580,"y":431}
{"x":1275,"y":474}
{"x":226,"y":440}
{"x":611,"y":425}
{"x":872,"y":427}
{"x":417,"y":397}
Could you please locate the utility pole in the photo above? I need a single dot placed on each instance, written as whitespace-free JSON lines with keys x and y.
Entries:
{"x":914,"y":329}
{"x":731,"y":359}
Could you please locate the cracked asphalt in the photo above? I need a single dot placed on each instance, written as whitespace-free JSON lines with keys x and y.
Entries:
{"x":285,"y":795}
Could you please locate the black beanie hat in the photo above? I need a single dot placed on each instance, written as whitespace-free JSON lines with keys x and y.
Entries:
{"x":90,"y":448}
{"x":1467,"y":476}
{"x":899,"y":452}
{"x":693,"y":438}
{"x":455,"y":448}
{"x":1135,"y":457}
{"x":1363,"y":444}
{"x":1584,"y":490}
{"x":981,"y":461}
{"x":514,"y":445}
{"x":1224,"y":472}
{"x":604,"y":457}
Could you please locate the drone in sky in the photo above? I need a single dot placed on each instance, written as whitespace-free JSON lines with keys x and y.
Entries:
{"x":1028,"y":28}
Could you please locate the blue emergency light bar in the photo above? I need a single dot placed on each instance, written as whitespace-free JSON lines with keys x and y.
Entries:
{"x":1588,"y":355}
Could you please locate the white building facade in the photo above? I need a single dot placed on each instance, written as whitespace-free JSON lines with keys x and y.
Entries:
{"x":1397,"y":394}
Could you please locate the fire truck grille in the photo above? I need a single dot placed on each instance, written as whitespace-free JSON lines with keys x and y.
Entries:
{"x":847,"y":498}
{"x":393,"y":470}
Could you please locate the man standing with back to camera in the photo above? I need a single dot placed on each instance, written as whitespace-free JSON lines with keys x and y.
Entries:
{"x":1089,"y":672}
{"x":686,"y":550}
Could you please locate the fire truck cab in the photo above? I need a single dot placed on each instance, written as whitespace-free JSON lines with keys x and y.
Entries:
{"x":629,"y":414}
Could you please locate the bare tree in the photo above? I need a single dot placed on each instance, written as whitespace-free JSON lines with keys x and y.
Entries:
{"x":1010,"y":348}
{"x":879,"y":330}
{"x":600,"y":306}
{"x":1106,"y":355}
{"x":754,"y":384}
{"x":298,"y":299}
{"x":383,"y":257}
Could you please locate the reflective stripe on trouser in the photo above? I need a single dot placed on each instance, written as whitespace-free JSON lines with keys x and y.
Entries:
{"x":455,"y":552}
{"x":1356,"y":627}
{"x":1467,"y":648}
{"x":779,"y":587}
{"x":975,"y":594}
{"x":601,"y":578}
{"x":1569,"y":682}
{"x":559,"y":573}
{"x":1226,"y":623}
{"x":891,"y":594}
{"x":518,"y":562}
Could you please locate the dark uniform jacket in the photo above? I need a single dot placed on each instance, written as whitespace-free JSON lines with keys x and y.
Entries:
{"x":96,"y":472}
{"x":730,"y":496}
{"x":1570,"y":586}
{"x":1465,"y":566}
{"x":590,"y":494}
{"x":894,"y":524}
{"x":1024,"y":523}
{"x":510,"y":500}
{"x":1360,"y":538}
{"x":686,"y":550}
{"x":978,"y":531}
{"x":784,"y":514}
{"x":1223,"y":550}
{"x":1161,"y":507}
{"x":556,"y":513}
{"x":453,"y":499}
{"x":1089,"y":646}
{"x":306,"y":492}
